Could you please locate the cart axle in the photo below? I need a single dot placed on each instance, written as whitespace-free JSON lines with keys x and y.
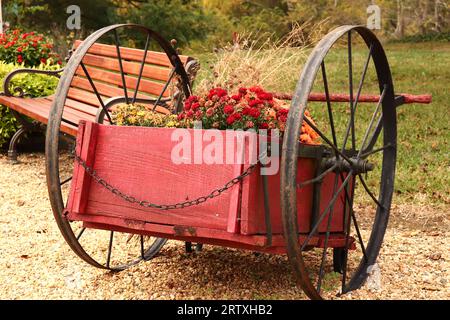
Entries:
{"x":358,"y":166}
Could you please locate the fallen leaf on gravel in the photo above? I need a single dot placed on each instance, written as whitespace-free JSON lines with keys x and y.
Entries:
{"x":25,"y":256}
{"x":436,"y":256}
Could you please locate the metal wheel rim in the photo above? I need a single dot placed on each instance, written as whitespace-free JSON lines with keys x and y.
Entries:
{"x":53,"y":137}
{"x":290,"y":151}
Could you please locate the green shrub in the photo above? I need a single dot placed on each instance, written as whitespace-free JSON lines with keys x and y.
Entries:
{"x":27,"y":48}
{"x":34,"y":85}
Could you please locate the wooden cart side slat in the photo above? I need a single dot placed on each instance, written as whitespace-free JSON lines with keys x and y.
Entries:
{"x":87,"y":153}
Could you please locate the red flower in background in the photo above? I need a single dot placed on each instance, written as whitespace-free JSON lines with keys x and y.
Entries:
{"x":33,"y":49}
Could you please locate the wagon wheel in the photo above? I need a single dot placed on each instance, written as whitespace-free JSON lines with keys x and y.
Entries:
{"x":104,"y":248}
{"x":361,"y":144}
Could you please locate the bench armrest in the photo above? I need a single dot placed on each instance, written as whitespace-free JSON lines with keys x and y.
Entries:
{"x":7,"y":81}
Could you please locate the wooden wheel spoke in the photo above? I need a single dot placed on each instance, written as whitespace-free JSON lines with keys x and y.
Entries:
{"x":369,"y":153}
{"x":350,"y":79}
{"x":374,"y":115}
{"x":347,"y":219}
{"x":360,"y":239}
{"x":65,"y":181}
{"x":324,"y":137}
{"x":80,"y":234}
{"x":166,"y":85}
{"x":318,"y":178}
{"x":353,"y":105}
{"x":370,"y":193}
{"x":119,"y":57}
{"x":97,"y":94}
{"x":349,"y":201}
{"x":147,"y":42}
{"x":327,"y":237}
{"x":142,"y":247}
{"x":330,"y":110}
{"x":324,"y":213}
{"x":108,"y":258}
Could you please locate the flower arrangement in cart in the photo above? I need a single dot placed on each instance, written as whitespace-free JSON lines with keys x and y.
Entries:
{"x":247,"y":109}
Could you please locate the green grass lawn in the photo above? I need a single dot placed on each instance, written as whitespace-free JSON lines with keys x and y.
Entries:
{"x":423,"y":136}
{"x":423,"y":130}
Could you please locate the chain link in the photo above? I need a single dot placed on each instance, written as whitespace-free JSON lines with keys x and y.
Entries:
{"x":180,"y":205}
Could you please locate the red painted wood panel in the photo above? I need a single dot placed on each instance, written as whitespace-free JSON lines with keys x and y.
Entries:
{"x":216,"y":237}
{"x":138,"y":161}
{"x":252,"y":212}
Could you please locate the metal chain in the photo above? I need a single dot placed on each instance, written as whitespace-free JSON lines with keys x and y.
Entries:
{"x":180,"y":205}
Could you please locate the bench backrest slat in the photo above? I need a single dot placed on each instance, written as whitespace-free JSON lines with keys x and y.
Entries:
{"x":103,"y":66}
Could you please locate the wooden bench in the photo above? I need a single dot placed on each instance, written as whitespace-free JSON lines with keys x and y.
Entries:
{"x":82,"y":103}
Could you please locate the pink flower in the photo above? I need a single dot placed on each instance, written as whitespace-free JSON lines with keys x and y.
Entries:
{"x":210,"y":112}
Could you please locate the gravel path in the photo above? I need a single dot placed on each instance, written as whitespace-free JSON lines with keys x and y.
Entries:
{"x":36,"y":263}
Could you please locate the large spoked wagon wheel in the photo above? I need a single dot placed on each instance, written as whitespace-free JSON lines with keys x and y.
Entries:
{"x":83,"y":81}
{"x":360,"y":140}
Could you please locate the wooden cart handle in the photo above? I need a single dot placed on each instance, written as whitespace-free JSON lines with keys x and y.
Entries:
{"x":320,"y":97}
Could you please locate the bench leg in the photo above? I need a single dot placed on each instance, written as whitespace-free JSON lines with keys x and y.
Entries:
{"x":12,"y":151}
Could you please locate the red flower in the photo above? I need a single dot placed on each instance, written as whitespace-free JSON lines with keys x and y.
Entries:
{"x":243,"y":91}
{"x":282,"y":114}
{"x":43,"y":60}
{"x":247,"y":111}
{"x":230,"y":120}
{"x":256,"y":89}
{"x":264,"y":125}
{"x":192,"y":99}
{"x":228,"y":109}
{"x":236,"y":97}
{"x":19,"y":49}
{"x":254,"y":103}
{"x":233,"y":118}
{"x":181,"y":116}
{"x":19,"y":58}
{"x":265,"y":96}
{"x":195,"y":106}
{"x":187,"y":105}
{"x":255,"y":113}
{"x":199,"y":114}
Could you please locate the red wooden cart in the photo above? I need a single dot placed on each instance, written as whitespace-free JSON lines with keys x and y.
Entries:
{"x":334,"y":196}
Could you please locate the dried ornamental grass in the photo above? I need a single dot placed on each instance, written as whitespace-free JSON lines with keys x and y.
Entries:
{"x":253,"y":61}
